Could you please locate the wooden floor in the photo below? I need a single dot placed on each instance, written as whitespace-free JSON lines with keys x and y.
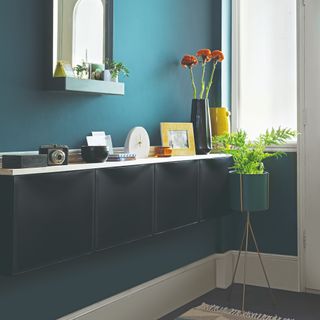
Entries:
{"x":299,"y":306}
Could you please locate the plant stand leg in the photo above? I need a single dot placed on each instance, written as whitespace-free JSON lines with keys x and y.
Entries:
{"x":261,"y":262}
{"x":245,"y":262}
{"x":237,"y":263}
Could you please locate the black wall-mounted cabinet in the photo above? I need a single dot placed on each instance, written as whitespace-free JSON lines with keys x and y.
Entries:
{"x":49,"y":221}
{"x":176,"y":194}
{"x":213,"y":195}
{"x":48,"y":218}
{"x":124,"y":205}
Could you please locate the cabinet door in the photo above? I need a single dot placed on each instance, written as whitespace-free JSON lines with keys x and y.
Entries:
{"x":53,"y":218}
{"x":213,"y":193}
{"x":124,"y":205}
{"x":176,"y":194}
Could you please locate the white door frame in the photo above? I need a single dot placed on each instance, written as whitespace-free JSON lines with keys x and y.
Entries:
{"x":301,"y":159}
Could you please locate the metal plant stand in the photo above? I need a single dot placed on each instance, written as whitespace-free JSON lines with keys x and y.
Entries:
{"x":245,"y":240}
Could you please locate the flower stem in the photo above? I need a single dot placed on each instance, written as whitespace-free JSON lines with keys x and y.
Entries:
{"x":202,"y":80}
{"x":211,"y":79}
{"x":193,"y":84}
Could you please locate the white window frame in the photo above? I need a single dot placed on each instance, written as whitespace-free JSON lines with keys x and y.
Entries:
{"x":235,"y":78}
{"x":298,"y":147}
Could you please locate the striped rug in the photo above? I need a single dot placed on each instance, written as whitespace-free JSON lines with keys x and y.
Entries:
{"x":213,"y":312}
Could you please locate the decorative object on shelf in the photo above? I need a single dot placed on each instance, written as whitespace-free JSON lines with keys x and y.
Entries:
{"x":24,"y":161}
{"x":113,"y":69}
{"x":96,"y":71}
{"x":122,"y":157}
{"x":82,"y":71}
{"x":97,"y":149}
{"x":178,"y":136}
{"x":92,"y":154}
{"x":220,"y":121}
{"x":163,"y":152}
{"x":96,"y":141}
{"x":107,"y":76}
{"x":249,"y":183}
{"x":57,"y":154}
{"x":200,"y":115}
{"x":138,"y":142}
{"x":63,"y":70}
{"x":102,"y":139}
{"x":109,"y":143}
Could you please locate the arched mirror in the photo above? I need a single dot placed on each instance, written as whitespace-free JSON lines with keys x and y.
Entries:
{"x":82,"y":31}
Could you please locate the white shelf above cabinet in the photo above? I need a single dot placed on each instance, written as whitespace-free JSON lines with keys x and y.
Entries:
{"x":104,"y":165}
{"x":87,"y":86}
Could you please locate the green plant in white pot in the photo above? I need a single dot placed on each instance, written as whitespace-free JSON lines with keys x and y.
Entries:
{"x":249,"y":183}
{"x":114,"y":69}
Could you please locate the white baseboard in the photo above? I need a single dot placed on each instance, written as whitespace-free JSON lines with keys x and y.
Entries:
{"x":155,"y":298}
{"x":282,"y":271}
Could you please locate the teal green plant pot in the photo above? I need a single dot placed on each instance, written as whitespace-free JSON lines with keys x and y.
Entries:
{"x":249,"y":192}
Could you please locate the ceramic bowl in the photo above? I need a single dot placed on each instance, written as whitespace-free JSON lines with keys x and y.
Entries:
{"x":92,"y":154}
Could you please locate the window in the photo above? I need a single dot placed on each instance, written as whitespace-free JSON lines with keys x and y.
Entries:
{"x":266,"y":65}
{"x":88,"y":32}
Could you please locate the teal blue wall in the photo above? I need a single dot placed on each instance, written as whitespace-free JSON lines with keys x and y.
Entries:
{"x":150,"y":38}
{"x":276,"y":229}
{"x":55,"y":291}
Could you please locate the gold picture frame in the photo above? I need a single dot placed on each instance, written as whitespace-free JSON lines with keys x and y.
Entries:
{"x":179,"y":136}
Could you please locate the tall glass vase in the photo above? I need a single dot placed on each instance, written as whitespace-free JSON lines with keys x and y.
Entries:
{"x":200,"y":117}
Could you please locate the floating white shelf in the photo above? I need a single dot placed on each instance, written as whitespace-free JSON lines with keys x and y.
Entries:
{"x":87,"y":86}
{"x":101,"y":165}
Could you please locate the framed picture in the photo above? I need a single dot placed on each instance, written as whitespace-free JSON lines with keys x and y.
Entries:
{"x":179,"y":136}
{"x":96,"y":71}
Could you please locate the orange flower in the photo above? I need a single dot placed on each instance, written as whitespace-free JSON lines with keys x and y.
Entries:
{"x":189,"y":61}
{"x":205,"y":54}
{"x":217,"y":55}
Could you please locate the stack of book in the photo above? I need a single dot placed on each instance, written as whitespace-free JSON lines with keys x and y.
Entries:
{"x":121,"y":157}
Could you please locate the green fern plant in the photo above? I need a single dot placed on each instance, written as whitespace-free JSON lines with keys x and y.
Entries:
{"x":248,"y":156}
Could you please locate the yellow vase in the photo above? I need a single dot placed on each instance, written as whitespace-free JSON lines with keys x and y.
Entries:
{"x":220,"y":121}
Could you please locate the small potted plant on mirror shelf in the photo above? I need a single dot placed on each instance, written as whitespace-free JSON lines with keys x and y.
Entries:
{"x":248,"y":181}
{"x":82,"y":71}
{"x":113,"y":69}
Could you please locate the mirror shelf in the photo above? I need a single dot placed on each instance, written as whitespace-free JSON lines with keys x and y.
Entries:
{"x":81,"y":32}
{"x":87,"y":86}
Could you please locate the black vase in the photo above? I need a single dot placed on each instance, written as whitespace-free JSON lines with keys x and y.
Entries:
{"x":200,"y":117}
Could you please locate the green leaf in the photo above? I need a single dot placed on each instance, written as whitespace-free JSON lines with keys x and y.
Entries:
{"x":248,"y":155}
